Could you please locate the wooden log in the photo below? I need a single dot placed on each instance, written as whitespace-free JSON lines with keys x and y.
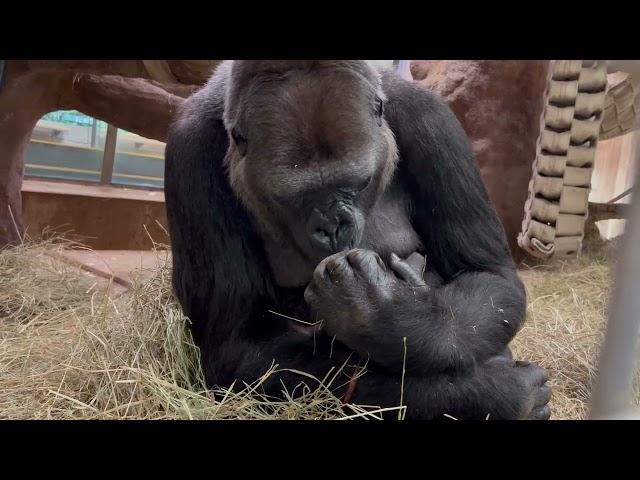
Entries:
{"x":22,"y":102}
{"x":138,"y":105}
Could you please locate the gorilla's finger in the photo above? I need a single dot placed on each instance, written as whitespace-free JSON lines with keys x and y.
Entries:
{"x":309,"y":298}
{"x":320,"y":273}
{"x":367,"y":264}
{"x":501,"y":360}
{"x":543,"y":413}
{"x":536,"y":375}
{"x":339,"y":269}
{"x":418,"y":262}
{"x":543,"y":396}
{"x":406,"y":272}
{"x":541,"y":375}
{"x":359,"y":257}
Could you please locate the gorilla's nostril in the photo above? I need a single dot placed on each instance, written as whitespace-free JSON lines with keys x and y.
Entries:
{"x":332,"y":231}
{"x":322,"y":241}
{"x":343,"y":229}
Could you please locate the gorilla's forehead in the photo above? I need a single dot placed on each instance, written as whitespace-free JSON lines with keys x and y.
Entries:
{"x":309,"y":124}
{"x":271,"y":83}
{"x":244,"y":71}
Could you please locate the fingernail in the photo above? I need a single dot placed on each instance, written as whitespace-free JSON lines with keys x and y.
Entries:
{"x":394,"y":257}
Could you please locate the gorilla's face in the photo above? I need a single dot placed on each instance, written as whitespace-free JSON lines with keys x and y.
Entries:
{"x":310,"y":152}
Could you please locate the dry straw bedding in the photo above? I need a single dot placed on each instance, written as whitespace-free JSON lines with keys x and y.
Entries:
{"x":68,"y":350}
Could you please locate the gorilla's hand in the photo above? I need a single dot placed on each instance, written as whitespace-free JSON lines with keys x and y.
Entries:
{"x":370,"y":307}
{"x":354,"y":295}
{"x":522,"y":385}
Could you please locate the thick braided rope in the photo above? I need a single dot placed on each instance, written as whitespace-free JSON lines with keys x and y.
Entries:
{"x":558,"y":202}
{"x":621,"y":110}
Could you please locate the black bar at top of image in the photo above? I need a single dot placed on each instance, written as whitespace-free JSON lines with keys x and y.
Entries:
{"x":440,"y":32}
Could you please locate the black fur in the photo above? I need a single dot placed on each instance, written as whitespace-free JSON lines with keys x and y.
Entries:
{"x":457,"y":323}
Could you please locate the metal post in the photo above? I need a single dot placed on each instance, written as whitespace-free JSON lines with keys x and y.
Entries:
{"x":612,"y":396}
{"x":108,"y":157}
{"x":94,"y":129}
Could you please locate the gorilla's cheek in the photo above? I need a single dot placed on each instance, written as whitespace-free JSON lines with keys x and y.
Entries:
{"x":244,"y":187}
{"x":236,"y":167}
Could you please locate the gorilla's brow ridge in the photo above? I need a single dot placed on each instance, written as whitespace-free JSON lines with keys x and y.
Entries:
{"x":270,"y":77}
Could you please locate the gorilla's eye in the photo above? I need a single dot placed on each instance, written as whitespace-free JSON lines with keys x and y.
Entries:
{"x":379,"y":108}
{"x":240,"y":141}
{"x":365,"y":183}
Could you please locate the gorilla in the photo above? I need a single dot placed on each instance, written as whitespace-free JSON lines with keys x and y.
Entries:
{"x":327,"y":214}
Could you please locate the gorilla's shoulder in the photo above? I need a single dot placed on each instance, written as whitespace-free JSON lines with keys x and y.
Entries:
{"x":412,"y":97}
{"x":397,"y":88}
{"x":205,"y":104}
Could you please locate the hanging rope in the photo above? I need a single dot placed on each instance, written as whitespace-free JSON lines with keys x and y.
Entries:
{"x":558,"y":203}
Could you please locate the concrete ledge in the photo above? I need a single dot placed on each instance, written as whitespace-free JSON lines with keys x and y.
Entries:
{"x":103,"y":217}
{"x":89,"y":190}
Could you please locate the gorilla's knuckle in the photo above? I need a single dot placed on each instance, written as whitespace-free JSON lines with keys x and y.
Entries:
{"x":338,"y":268}
{"x":360,"y":258}
{"x":318,"y":275}
{"x":545,"y":413}
{"x":310,"y":295}
{"x":545,"y":394}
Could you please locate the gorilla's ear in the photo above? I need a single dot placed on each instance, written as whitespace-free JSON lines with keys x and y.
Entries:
{"x":452,"y":213}
{"x":220,"y":274}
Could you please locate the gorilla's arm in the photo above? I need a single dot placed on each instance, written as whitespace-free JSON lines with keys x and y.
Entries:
{"x":220,"y":275}
{"x":390,"y":313}
{"x":451,"y":209}
{"x":481,"y":304}
{"x":461,"y":232}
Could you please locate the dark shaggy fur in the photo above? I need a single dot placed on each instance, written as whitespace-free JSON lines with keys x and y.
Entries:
{"x":315,"y":189}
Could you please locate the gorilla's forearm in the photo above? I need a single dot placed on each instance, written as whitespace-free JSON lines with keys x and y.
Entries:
{"x":449,"y":328}
{"x":389,"y":312}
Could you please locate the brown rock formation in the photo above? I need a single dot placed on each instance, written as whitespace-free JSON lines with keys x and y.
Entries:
{"x":499,"y":105}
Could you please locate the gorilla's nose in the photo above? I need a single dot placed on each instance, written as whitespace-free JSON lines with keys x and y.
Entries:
{"x":332,"y":230}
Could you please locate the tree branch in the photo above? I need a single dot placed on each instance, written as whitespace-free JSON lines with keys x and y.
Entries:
{"x":137,"y":105}
{"x":125,"y":68}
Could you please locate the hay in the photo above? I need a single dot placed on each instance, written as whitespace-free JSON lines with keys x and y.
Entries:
{"x":69,"y":350}
{"x":566,"y":316}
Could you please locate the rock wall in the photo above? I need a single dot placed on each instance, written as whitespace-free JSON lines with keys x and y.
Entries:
{"x":499,"y":105}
